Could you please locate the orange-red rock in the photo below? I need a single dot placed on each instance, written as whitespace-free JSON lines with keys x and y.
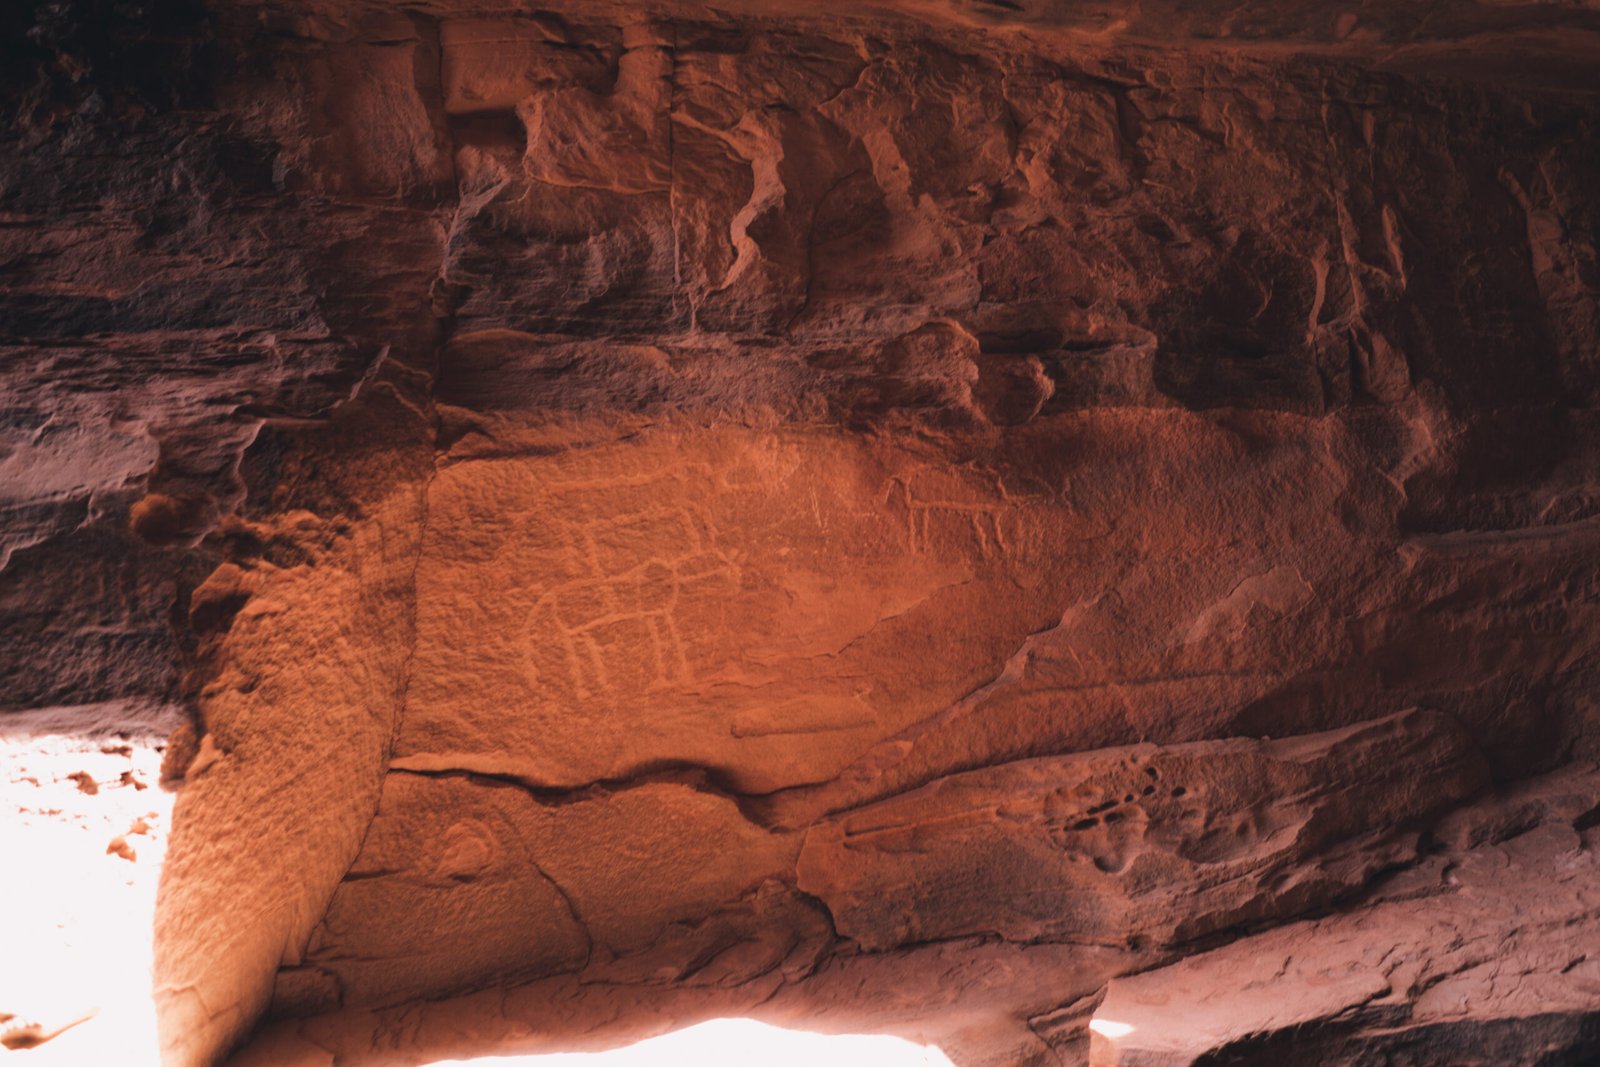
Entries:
{"x":946,"y":517}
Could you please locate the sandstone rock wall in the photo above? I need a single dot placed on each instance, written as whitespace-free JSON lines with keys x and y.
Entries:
{"x":710,"y":503}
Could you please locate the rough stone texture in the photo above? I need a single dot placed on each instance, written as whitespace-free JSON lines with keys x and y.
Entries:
{"x":1103,"y":848}
{"x":1457,"y":960}
{"x":1481,"y":953}
{"x":947,"y":518}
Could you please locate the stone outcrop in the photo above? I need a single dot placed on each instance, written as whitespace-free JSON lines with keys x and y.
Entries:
{"x":1480,"y":954}
{"x":960,"y":519}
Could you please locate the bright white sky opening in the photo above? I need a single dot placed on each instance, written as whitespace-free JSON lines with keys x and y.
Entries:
{"x":737,"y":1043}
{"x":1109,"y":1028}
{"x":83,"y":827}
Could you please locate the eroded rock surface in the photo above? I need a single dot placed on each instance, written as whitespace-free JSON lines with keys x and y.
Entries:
{"x":1482,"y":954}
{"x":958,"y":519}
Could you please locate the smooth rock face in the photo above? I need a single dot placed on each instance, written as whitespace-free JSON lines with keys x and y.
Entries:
{"x":975,"y":521}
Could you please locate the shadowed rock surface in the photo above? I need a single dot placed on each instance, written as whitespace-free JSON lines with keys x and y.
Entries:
{"x":957,"y":519}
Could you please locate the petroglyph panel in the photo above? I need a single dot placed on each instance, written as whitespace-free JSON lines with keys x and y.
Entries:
{"x":702,"y":599}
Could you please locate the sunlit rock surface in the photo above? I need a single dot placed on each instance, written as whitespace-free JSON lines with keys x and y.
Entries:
{"x":1059,"y":533}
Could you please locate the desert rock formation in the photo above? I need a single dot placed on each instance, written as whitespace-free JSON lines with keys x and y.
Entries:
{"x":1069,"y":532}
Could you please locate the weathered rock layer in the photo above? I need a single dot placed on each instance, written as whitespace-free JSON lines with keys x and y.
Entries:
{"x":942,"y":518}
